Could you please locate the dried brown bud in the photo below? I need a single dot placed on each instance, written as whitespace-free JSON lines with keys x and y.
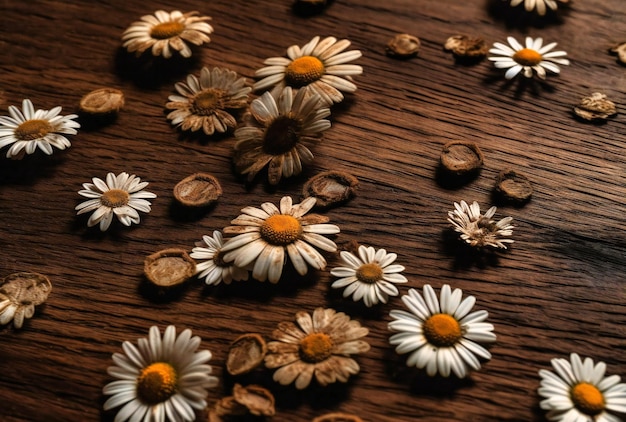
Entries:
{"x":338,"y":417}
{"x":330,"y":187}
{"x":245,"y":354}
{"x":102,"y":101}
{"x":460,"y":157}
{"x":513,"y":186}
{"x":403,"y":45}
{"x":258,"y":400}
{"x":19,"y":294}
{"x":198,"y":190}
{"x":466,"y":47}
{"x":169,"y":267}
{"x":595,"y":107}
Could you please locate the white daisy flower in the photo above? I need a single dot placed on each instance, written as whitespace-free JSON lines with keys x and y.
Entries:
{"x":165,"y":31}
{"x":213,"y":268}
{"x":441,"y":335}
{"x":580,"y":392}
{"x":27,"y":130}
{"x":480,"y":230}
{"x":319,"y":66}
{"x":370,"y":276}
{"x":120,"y":195}
{"x":268,"y":235}
{"x":160,"y":379}
{"x":539,"y":5}
{"x":535,"y":56}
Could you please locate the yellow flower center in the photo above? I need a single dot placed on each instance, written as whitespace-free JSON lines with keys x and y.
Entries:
{"x":208,"y":101}
{"x":281,"y":135}
{"x":156,"y":383}
{"x":167,"y":30}
{"x":33,"y":129}
{"x":369,"y":273}
{"x":587,"y":398}
{"x":442,"y":330}
{"x":281,"y":230}
{"x":303,"y":71}
{"x":316,"y":347}
{"x":115,"y":198}
{"x":527,"y":57}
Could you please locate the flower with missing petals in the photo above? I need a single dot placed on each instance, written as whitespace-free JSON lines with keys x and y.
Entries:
{"x":535,"y":56}
{"x":160,"y":379}
{"x":480,"y":230}
{"x":319,"y":66}
{"x":27,"y":130}
{"x":165,"y":31}
{"x":320,"y":346}
{"x":580,"y":392}
{"x":120,"y":195}
{"x":267,"y":236}
{"x":212,"y":266}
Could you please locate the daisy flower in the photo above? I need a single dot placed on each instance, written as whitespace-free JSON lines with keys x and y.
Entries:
{"x":318,"y":346}
{"x":278,"y":137}
{"x":480,"y":230}
{"x":203,"y":103}
{"x":580,"y":392}
{"x":160,"y":379}
{"x":164,"y":31}
{"x":27,"y":130}
{"x":319,"y":66}
{"x":370,"y":276}
{"x":120,"y":195}
{"x":441,"y":335}
{"x":213,"y":268}
{"x":535,"y":56}
{"x":540,"y":5}
{"x":268,"y":235}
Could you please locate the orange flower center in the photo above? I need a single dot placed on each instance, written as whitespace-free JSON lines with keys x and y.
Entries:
{"x":442,"y":330}
{"x":208,"y":101}
{"x":316,"y":347}
{"x":115,"y":198}
{"x":587,"y":398}
{"x":156,"y":383}
{"x":303,"y":71}
{"x":369,"y":273}
{"x":281,"y":135}
{"x":281,"y":230}
{"x":527,"y":57}
{"x":33,"y":129}
{"x":167,"y":30}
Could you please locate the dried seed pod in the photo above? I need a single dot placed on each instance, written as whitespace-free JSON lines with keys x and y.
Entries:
{"x":228,"y":406}
{"x":198,"y":190}
{"x":403,"y":46}
{"x":595,"y":107}
{"x":169,"y":267}
{"x":338,"y":417}
{"x":330,"y":187}
{"x":102,"y":101}
{"x":513,"y":186}
{"x":620,"y":51}
{"x":460,"y":157}
{"x":258,"y":400}
{"x":246,"y":352}
{"x":19,"y":294}
{"x":466,"y":47}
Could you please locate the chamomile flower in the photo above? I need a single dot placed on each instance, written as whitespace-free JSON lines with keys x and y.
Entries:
{"x":441,"y":334}
{"x":480,"y":230}
{"x":121,"y":196}
{"x":540,"y":6}
{"x":370,"y":276}
{"x":535,"y":56}
{"x":165,"y":31}
{"x":160,"y":378}
{"x":319,"y":66}
{"x":28,"y":129}
{"x":267,"y":236}
{"x":212,"y":266}
{"x":580,"y":392}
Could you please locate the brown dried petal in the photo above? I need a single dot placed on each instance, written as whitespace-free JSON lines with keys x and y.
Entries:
{"x":330,"y":187}
{"x":26,"y":288}
{"x":459,"y":157}
{"x":258,"y":400}
{"x":169,"y":267}
{"x":102,"y":101}
{"x":245,"y":353}
{"x":595,"y":107}
{"x":338,"y":417}
{"x":198,"y":190}
{"x":513,"y":186}
{"x":403,"y":45}
{"x":466,"y":47}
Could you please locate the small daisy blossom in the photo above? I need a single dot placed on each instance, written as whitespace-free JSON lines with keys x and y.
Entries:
{"x":370,"y":276}
{"x":120,"y":195}
{"x":480,"y":230}
{"x":266,"y":236}
{"x":580,"y":392}
{"x":213,"y":268}
{"x":539,"y":5}
{"x":160,"y":379}
{"x":27,"y":130}
{"x":319,"y":66}
{"x":535,"y":56}
{"x":165,"y":31}
{"x":441,"y":334}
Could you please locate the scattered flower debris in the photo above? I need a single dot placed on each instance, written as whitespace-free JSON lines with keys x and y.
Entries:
{"x":403,"y":46}
{"x":169,"y":267}
{"x":330,"y":187}
{"x":595,"y":107}
{"x":245,"y":353}
{"x":513,"y":186}
{"x":102,"y":101}
{"x":19,"y":294}
{"x":198,"y":190}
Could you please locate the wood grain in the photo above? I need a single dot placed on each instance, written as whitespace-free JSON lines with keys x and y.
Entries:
{"x":559,"y":289}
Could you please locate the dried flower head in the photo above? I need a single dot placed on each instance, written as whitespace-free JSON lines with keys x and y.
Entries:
{"x":466,"y":47}
{"x":595,"y":107}
{"x":267,"y":236}
{"x":319,"y":66}
{"x":330,"y":187}
{"x":29,"y":129}
{"x":212,"y":265}
{"x":245,"y":353}
{"x":206,"y":102}
{"x":198,"y":190}
{"x":513,"y":186}
{"x":283,"y":128}
{"x":460,"y":157}
{"x":441,"y":334}
{"x":102,"y":101}
{"x":19,"y":294}
{"x":535,"y":56}
{"x":579,"y":391}
{"x":403,"y":45}
{"x":165,"y":31}
{"x":541,"y":6}
{"x":480,"y":230}
{"x":169,"y":267}
{"x":320,"y":346}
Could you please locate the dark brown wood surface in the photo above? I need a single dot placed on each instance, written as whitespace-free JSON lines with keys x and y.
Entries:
{"x":559,"y":289}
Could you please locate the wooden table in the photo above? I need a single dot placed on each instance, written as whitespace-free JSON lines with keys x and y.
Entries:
{"x":559,"y":289}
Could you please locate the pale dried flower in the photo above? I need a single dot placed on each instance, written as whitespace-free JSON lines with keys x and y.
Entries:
{"x":480,"y":230}
{"x":19,"y":294}
{"x":403,"y":45}
{"x":595,"y":107}
{"x":102,"y":101}
{"x":463,"y":46}
{"x":541,"y":6}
